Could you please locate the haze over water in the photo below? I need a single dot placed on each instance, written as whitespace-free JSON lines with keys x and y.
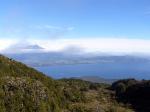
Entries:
{"x":108,"y":71}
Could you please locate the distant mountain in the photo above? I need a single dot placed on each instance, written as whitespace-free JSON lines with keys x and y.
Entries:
{"x":32,"y":47}
{"x":23,"y":48}
{"x":61,"y":58}
{"x":97,"y":79}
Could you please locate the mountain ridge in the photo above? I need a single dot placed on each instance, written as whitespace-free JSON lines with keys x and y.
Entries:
{"x":60,"y":58}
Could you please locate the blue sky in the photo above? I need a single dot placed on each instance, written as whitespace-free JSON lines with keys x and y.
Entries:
{"x":75,"y":19}
{"x":87,"y":18}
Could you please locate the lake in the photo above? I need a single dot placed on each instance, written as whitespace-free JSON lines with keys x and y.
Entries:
{"x":104,"y":70}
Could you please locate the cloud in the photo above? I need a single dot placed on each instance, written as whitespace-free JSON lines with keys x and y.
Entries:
{"x":4,"y":43}
{"x":108,"y":45}
{"x":73,"y":50}
{"x":86,"y":45}
{"x":22,"y":47}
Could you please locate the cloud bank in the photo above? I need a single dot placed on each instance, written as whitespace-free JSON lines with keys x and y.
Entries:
{"x":90,"y":45}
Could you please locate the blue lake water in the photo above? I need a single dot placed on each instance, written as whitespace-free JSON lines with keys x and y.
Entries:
{"x":105,"y":70}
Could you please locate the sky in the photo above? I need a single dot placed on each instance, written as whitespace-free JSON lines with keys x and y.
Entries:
{"x":92,"y":25}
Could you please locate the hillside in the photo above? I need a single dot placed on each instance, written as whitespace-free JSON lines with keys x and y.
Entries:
{"x":23,"y":89}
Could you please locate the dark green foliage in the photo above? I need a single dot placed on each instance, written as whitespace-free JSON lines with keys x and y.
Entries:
{"x":121,"y":85}
{"x":134,"y":92}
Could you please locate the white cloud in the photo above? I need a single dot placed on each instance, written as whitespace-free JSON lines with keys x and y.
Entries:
{"x":20,"y":46}
{"x":4,"y":43}
{"x":93,"y":45}
{"x":109,"y":45}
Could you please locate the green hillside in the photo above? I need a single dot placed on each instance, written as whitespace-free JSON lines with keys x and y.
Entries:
{"x":23,"y":89}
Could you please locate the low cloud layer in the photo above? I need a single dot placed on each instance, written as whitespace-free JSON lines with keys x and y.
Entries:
{"x":95,"y":45}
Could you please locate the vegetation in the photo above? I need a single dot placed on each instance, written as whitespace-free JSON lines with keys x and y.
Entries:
{"x":23,"y":89}
{"x":136,"y":93}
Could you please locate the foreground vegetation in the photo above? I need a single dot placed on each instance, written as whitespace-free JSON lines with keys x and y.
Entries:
{"x":136,"y":93}
{"x":23,"y":89}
